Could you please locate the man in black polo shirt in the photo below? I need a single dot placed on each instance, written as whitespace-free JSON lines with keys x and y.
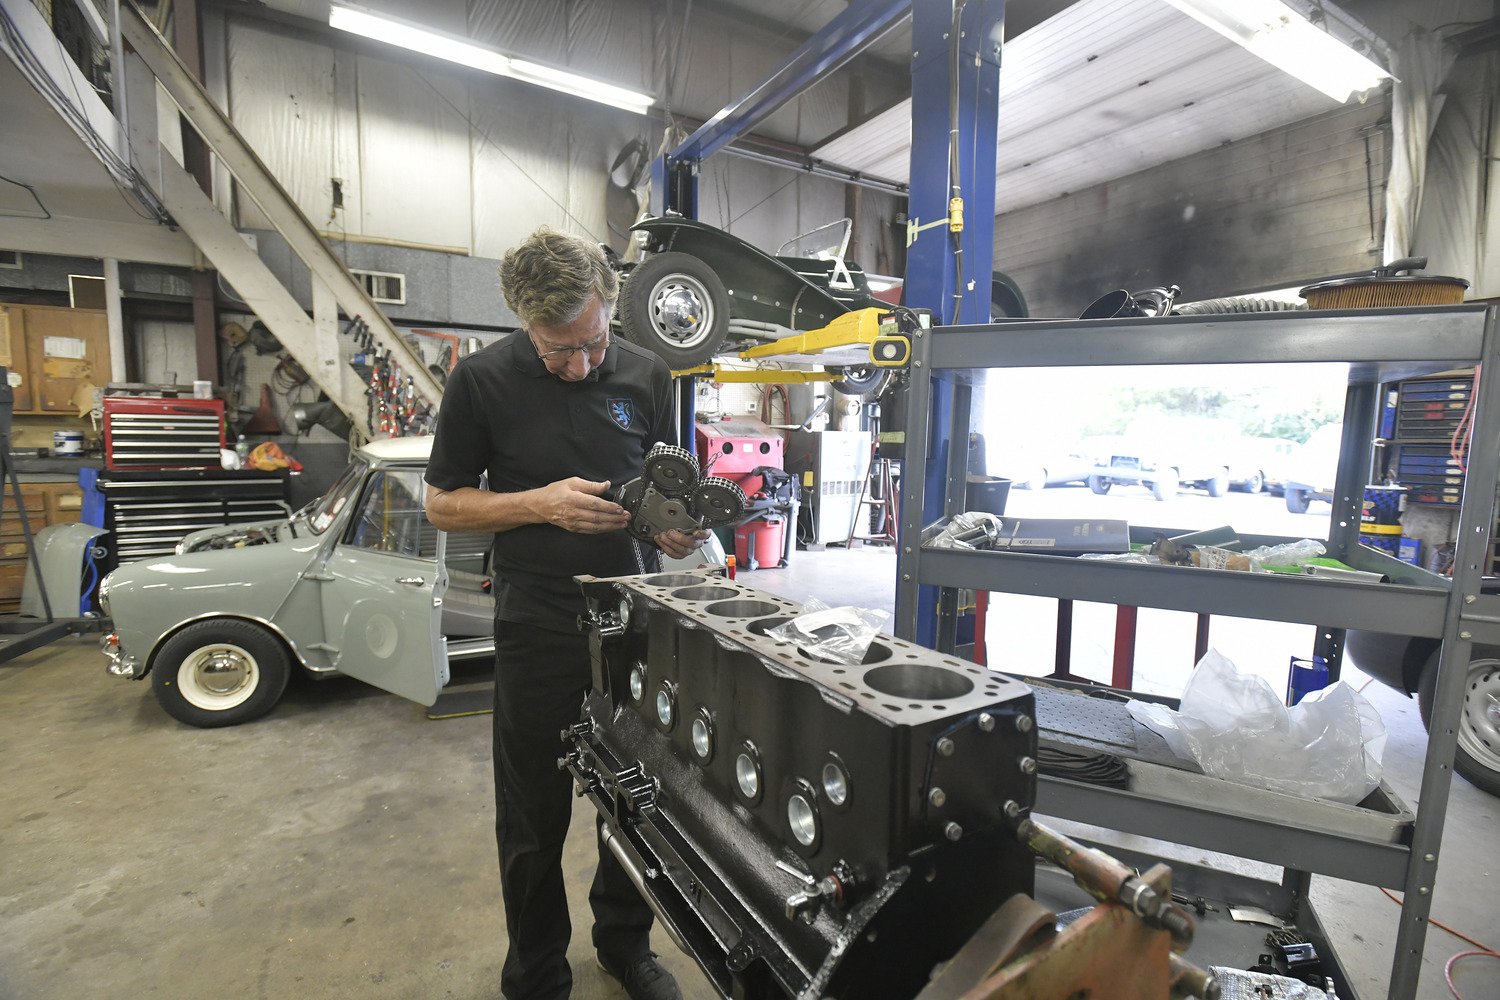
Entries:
{"x":553,"y":414}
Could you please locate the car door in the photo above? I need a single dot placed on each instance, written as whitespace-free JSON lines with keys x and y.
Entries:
{"x":382,"y":590}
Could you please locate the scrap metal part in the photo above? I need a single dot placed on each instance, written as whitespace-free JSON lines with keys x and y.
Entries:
{"x":806,"y":828}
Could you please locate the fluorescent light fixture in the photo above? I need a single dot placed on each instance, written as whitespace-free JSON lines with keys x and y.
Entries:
{"x":1287,"y":40}
{"x":466,"y":53}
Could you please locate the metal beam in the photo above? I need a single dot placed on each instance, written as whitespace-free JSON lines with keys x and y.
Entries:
{"x":838,"y":41}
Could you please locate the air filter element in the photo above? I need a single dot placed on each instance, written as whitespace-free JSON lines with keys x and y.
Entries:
{"x":1383,"y":288}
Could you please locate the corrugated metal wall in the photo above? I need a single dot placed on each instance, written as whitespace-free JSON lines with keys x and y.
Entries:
{"x":456,"y":158}
{"x":1271,"y":211}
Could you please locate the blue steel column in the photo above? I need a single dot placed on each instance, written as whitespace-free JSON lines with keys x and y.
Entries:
{"x":931,"y":263}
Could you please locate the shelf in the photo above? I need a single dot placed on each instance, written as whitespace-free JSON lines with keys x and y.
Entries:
{"x":1379,"y":842}
{"x":1381,"y":345}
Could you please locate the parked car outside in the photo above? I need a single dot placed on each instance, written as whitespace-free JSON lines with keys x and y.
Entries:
{"x":1165,"y":453}
{"x":1312,"y":469}
{"x":1410,"y":664}
{"x":1259,"y":463}
{"x":1037,"y":467}
{"x":358,"y":582}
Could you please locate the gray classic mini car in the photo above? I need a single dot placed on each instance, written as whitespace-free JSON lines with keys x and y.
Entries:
{"x":357,"y":582}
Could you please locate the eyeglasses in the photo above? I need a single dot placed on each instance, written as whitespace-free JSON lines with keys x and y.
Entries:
{"x":595,"y":346}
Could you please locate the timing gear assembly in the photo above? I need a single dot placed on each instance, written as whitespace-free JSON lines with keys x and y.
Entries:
{"x":671,"y":493}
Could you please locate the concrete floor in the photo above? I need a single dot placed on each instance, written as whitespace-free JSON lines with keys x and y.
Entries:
{"x":343,"y":846}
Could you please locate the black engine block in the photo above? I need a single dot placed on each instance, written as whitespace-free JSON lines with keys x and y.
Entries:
{"x":804,"y":828}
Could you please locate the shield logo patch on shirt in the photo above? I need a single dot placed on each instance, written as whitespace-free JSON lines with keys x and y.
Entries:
{"x":621,"y":411}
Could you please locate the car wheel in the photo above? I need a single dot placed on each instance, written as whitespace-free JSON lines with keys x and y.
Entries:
{"x":1478,"y":755}
{"x":220,"y":673}
{"x":1099,"y":484}
{"x":674,"y":304}
{"x":1037,"y":481}
{"x":1218,"y":485}
{"x":1166,"y":489}
{"x":1296,"y":500}
{"x":861,"y":381}
{"x":1255,"y":482}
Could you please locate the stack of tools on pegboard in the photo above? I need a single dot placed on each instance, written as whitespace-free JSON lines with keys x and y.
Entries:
{"x":395,"y":409}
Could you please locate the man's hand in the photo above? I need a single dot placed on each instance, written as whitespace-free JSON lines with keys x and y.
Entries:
{"x":679,"y":544}
{"x":579,"y":506}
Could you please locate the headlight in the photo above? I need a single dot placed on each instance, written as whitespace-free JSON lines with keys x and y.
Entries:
{"x":104,"y":594}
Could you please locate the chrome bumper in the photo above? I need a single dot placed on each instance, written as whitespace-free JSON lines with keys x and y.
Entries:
{"x":121,"y":663}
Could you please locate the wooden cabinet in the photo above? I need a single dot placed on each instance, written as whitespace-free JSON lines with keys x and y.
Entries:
{"x":45,"y":503}
{"x":55,"y":351}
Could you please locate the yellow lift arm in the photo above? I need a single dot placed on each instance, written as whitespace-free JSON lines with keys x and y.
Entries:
{"x":854,"y":339}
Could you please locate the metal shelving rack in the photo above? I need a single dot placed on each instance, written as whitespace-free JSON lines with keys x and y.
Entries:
{"x":1385,"y":845}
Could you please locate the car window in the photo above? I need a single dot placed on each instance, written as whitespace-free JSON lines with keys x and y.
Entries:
{"x":390,"y":517}
{"x":326,"y":509}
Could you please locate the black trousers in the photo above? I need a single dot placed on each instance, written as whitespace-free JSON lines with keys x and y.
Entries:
{"x":540,"y":680}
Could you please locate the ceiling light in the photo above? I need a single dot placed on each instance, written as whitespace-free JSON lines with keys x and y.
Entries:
{"x":1287,"y":40}
{"x":466,"y":53}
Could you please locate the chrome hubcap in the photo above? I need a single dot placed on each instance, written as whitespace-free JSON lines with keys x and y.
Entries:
{"x":682,"y":310}
{"x":218,"y":677}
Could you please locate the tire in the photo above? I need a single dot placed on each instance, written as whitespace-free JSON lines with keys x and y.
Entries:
{"x":1255,"y":482}
{"x":1166,"y":489}
{"x":1296,"y":500}
{"x":220,"y":672}
{"x":861,"y":381}
{"x":1037,"y":481}
{"x":675,"y":305}
{"x":1478,"y":754}
{"x":1099,"y":485}
{"x":1218,"y":485}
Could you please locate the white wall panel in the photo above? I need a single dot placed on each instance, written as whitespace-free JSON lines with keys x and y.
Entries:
{"x":414,"y":154}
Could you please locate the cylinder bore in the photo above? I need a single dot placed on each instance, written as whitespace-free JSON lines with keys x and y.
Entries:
{"x":766,"y":624}
{"x":878,"y":652}
{"x":918,"y":682}
{"x":675,"y":580}
{"x":742,"y":609}
{"x":705,"y":593}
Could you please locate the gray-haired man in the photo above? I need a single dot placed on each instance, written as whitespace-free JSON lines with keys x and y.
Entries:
{"x":553,"y":414}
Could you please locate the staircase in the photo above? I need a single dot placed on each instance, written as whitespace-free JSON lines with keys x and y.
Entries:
{"x":146,"y":172}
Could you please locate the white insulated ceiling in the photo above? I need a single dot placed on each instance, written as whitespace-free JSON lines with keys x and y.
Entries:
{"x":1101,"y":90}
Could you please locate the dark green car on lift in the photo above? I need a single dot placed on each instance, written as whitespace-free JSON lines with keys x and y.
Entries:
{"x":700,"y":290}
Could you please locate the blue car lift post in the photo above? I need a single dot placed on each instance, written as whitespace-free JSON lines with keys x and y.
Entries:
{"x":936,"y":256}
{"x":674,"y":176}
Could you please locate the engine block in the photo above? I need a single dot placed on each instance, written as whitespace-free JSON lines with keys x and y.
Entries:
{"x":802,"y":827}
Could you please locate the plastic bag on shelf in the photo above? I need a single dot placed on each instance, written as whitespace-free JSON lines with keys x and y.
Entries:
{"x":1287,"y":553}
{"x":1328,"y":746}
{"x":841,"y":634}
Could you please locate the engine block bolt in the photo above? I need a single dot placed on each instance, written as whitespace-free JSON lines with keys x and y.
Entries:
{"x":1023,"y":723}
{"x":986,"y":722}
{"x":945,"y":747}
{"x":1028,"y":765}
{"x":953,"y":831}
{"x":937,"y":797}
{"x":1012,"y":809}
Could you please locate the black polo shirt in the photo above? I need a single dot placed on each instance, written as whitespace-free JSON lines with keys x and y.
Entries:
{"x":506,"y":416}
